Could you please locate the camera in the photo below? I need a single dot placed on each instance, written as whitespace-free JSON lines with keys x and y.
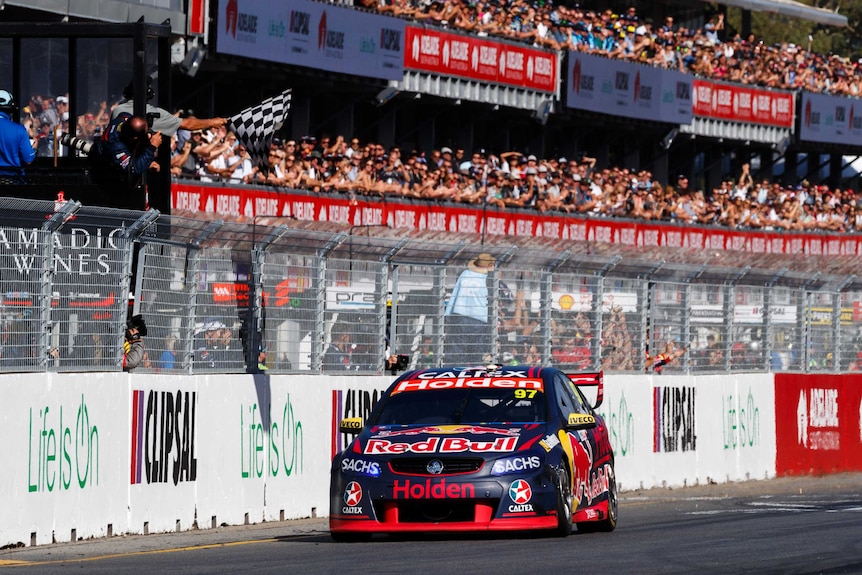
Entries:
{"x":402,"y":361}
{"x":71,"y":141}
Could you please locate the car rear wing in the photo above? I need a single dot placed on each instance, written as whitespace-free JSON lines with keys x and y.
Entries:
{"x":590,"y":379}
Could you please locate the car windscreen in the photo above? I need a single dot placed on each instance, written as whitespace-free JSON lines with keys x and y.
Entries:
{"x":463,"y":405}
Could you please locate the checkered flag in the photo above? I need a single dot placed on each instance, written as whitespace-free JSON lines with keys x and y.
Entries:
{"x":254,"y":127}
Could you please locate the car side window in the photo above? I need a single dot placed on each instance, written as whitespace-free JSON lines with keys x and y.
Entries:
{"x":569,"y":397}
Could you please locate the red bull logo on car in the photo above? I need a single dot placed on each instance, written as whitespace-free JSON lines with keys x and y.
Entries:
{"x":441,"y":445}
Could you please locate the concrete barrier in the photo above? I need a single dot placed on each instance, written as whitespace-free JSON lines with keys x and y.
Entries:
{"x":101,"y":454}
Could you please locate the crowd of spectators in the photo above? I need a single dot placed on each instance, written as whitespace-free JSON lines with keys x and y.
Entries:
{"x":514,"y":180}
{"x":708,"y":50}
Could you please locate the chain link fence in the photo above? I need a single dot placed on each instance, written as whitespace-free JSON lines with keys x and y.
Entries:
{"x":228,"y":297}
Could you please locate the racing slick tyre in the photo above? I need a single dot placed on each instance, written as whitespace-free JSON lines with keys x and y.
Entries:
{"x":564,"y":504}
{"x":608,"y":523}
{"x":350,"y":537}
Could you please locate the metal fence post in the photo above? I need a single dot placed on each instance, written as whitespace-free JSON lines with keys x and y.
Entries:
{"x":494,"y":303}
{"x":804,"y":317}
{"x":686,"y":317}
{"x":381,"y":290}
{"x":647,"y":315}
{"x":254,"y":312}
{"x":318,"y":288}
{"x":438,"y":323}
{"x":193,"y":264}
{"x":545,"y":296}
{"x":836,"y":323}
{"x":49,"y":228}
{"x":729,"y":310}
{"x":768,"y":326}
{"x":132,"y":233}
{"x":599,"y":311}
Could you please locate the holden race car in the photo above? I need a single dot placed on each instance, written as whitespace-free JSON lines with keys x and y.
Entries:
{"x":491,"y":448}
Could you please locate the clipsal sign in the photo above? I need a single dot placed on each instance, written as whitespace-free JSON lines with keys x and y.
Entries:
{"x":441,"y":445}
{"x":432,"y":490}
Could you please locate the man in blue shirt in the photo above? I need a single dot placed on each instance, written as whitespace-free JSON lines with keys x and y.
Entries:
{"x":16,"y":151}
{"x":468,"y":334}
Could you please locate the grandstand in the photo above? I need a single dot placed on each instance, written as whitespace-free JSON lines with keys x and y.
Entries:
{"x":398,"y":99}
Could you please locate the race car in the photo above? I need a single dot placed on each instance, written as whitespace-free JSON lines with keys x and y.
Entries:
{"x":496,"y":448}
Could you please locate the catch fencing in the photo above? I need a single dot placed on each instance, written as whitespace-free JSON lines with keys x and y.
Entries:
{"x":227,"y":297}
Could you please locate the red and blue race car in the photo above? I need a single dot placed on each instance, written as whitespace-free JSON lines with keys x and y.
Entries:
{"x":470,"y":449}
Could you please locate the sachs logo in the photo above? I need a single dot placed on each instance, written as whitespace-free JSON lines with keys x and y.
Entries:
{"x":352,"y":494}
{"x":520,"y":492}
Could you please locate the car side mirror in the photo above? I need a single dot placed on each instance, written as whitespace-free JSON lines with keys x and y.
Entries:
{"x":351,"y":425}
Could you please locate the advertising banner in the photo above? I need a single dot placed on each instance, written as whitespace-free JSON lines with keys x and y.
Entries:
{"x":314,"y":35}
{"x":831,"y":119}
{"x":247,"y":203}
{"x":626,"y":89}
{"x":818,"y":424}
{"x":165,"y":448}
{"x":64,"y":436}
{"x":742,"y":104}
{"x":480,"y":58}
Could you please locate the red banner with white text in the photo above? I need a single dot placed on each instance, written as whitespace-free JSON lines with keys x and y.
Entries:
{"x":480,"y":59}
{"x":818,"y":424}
{"x":743,"y":104}
{"x":244,"y":204}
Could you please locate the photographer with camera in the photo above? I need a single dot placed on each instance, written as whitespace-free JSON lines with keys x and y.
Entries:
{"x":133,"y":346}
{"x":124,"y":153}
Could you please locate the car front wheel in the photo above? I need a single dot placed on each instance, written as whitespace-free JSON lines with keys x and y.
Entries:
{"x":564,"y":503}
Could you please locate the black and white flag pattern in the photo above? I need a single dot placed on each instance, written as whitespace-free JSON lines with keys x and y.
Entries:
{"x":255,"y":127}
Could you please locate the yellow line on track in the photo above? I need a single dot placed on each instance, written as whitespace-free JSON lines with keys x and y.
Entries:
{"x":11,"y":563}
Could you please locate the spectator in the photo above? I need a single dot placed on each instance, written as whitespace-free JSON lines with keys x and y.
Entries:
{"x":124,"y":153}
{"x":466,"y":314}
{"x":338,"y":354}
{"x":133,"y":346}
{"x":669,"y":355}
{"x":208,"y":353}
{"x":168,"y":358}
{"x":163,"y":121}
{"x":16,"y":151}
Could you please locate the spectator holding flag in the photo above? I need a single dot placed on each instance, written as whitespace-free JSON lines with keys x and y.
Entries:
{"x":162,"y":120}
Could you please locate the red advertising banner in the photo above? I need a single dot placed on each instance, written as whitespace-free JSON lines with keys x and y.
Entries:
{"x":480,"y":59}
{"x":248,"y":203}
{"x":818,"y":428}
{"x":736,"y":103}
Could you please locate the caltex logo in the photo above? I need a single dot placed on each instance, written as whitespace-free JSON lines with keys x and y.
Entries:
{"x":520,"y":492}
{"x":353,"y":494}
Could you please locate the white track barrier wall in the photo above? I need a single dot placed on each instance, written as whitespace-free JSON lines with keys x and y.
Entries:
{"x":89,"y":455}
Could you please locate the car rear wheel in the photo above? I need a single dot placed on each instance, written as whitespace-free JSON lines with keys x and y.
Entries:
{"x":564,"y":503}
{"x":609,"y":523}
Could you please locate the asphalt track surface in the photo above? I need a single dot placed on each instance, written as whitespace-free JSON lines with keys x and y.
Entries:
{"x":808,"y":525}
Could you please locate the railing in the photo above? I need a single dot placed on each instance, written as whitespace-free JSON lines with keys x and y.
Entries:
{"x":223,"y":297}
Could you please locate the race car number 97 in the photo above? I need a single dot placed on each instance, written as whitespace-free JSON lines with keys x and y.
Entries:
{"x":525,"y":393}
